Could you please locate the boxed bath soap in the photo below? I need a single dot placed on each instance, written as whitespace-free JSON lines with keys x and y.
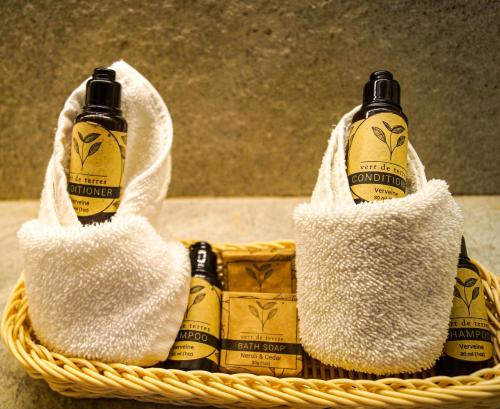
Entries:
{"x":259,"y":334}
{"x":268,"y":271}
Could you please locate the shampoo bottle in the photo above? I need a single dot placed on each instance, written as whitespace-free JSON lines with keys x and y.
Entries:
{"x":197,"y":344}
{"x":378,"y":142}
{"x":468,"y":347}
{"x":98,"y":150}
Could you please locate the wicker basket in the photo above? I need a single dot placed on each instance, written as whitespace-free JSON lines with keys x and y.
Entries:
{"x":320,"y":387}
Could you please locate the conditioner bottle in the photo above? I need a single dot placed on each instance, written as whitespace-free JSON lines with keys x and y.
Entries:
{"x":98,"y":150}
{"x":378,"y":142}
{"x":468,"y":347}
{"x":197,"y":344}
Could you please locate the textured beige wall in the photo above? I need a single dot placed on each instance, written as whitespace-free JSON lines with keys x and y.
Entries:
{"x":254,"y":86}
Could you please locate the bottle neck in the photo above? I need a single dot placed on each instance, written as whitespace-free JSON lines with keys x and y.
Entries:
{"x":101,"y":109}
{"x":210,"y":278}
{"x":381,"y":104}
{"x":374,"y":108}
{"x":464,"y":261}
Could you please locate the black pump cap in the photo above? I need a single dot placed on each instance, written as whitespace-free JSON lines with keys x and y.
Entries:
{"x":103,"y":90}
{"x":382,"y":87}
{"x":203,"y":259}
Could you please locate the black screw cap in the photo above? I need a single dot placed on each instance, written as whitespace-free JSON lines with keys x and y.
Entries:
{"x":382,"y":87}
{"x":103,"y":90}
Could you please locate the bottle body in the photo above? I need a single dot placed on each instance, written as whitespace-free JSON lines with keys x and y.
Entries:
{"x":98,"y":150}
{"x":96,"y":165}
{"x":376,"y":157}
{"x":197,"y":345}
{"x":468,"y":347}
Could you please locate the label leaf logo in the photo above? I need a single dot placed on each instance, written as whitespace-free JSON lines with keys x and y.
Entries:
{"x":87,"y":139}
{"x":262,"y":316}
{"x":94,"y":148}
{"x":198,"y":299}
{"x":380,"y":134}
{"x":91,"y":137}
{"x":471,"y":282}
{"x":260,"y":273}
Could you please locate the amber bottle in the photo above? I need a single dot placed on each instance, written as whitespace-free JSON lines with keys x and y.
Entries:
{"x":197,"y":345}
{"x":468,"y":347}
{"x":98,"y":150}
{"x":376,"y":157}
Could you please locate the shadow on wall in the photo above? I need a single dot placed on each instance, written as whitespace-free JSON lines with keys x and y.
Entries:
{"x":254,"y":88}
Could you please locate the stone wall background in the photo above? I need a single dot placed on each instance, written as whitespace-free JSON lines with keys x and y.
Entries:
{"x":255,"y":86}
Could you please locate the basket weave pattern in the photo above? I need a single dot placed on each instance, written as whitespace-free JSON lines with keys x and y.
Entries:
{"x":321,"y":386}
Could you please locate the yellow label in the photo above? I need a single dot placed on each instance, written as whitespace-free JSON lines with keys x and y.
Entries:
{"x":260,"y":334}
{"x":469,"y":338}
{"x":377,"y":157}
{"x":200,"y":331}
{"x":96,"y":169}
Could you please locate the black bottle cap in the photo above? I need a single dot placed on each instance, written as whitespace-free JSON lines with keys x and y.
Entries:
{"x":203,"y":259}
{"x":103,"y":90}
{"x":463,"y":249}
{"x":382,"y":87}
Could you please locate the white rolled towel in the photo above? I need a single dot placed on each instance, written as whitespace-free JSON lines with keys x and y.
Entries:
{"x":375,"y":280}
{"x":115,"y":291}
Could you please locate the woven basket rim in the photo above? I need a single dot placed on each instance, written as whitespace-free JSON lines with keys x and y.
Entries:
{"x":77,"y":377}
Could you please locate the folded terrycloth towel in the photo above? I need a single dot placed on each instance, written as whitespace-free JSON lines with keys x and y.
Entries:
{"x":114,"y":291}
{"x":375,"y":280}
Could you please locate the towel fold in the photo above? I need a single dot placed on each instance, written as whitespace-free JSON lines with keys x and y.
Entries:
{"x":375,"y":280}
{"x":115,"y":291}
